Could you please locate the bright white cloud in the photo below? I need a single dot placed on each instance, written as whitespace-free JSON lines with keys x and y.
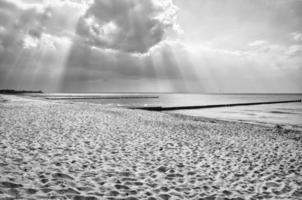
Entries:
{"x":45,"y":42}
{"x":30,"y":42}
{"x":30,"y":4}
{"x":294,"y":50}
{"x":257,"y":43}
{"x":41,"y":4}
{"x":297,"y":36}
{"x":2,"y":29}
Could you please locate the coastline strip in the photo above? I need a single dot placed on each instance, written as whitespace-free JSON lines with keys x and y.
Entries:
{"x":108,"y":97}
{"x":160,"y":108}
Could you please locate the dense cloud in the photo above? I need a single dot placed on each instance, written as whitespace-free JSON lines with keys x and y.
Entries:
{"x":24,"y":23}
{"x":133,"y":45}
{"x":129,"y":26}
{"x":35,"y":37}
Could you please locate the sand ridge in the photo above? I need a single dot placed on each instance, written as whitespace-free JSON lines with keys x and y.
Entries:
{"x":54,"y":150}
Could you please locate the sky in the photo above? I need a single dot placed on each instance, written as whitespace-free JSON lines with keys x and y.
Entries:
{"x":200,"y":46}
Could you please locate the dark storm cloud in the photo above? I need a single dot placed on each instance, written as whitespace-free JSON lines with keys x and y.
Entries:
{"x":129,"y":26}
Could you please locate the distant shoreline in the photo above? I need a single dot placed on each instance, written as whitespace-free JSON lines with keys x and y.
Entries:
{"x":197,"y":93}
{"x":19,"y":91}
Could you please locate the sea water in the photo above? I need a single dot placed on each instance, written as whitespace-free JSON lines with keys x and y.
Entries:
{"x":288,"y":114}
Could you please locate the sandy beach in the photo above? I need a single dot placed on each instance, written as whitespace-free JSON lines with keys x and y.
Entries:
{"x":82,"y":151}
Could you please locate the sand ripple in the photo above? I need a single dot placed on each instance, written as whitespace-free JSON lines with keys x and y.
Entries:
{"x":80,"y":151}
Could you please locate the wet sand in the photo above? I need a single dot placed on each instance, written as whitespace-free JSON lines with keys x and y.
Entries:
{"x":82,"y":151}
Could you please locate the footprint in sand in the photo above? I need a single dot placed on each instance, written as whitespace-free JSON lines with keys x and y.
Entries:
{"x":7,"y":184}
{"x":62,"y":176}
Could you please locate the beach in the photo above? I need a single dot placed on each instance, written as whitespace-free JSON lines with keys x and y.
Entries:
{"x":84,"y":151}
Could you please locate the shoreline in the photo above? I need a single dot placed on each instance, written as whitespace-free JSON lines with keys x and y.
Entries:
{"x":286,"y":124}
{"x":79,"y":150}
{"x":264,"y":124}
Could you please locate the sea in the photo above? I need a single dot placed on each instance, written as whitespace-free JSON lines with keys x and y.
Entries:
{"x":284,"y":114}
